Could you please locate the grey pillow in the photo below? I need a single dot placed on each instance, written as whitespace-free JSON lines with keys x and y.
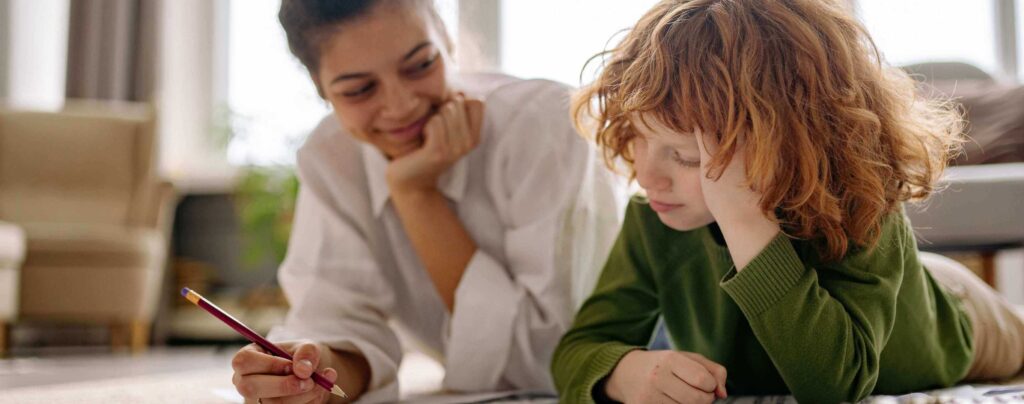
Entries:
{"x":995,"y":119}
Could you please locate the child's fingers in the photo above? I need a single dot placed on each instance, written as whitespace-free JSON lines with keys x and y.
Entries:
{"x":707,"y":146}
{"x":716,"y":370}
{"x":694,"y":374}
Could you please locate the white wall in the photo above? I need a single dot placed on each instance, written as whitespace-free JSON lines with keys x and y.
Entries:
{"x":35,"y":60}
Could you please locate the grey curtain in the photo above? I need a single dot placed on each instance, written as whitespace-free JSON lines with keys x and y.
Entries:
{"x":112,"y":49}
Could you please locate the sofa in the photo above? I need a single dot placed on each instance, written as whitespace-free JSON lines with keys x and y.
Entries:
{"x":82,"y":184}
{"x":981,"y":207}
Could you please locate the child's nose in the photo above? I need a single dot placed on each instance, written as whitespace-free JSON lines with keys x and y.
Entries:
{"x":650,"y":179}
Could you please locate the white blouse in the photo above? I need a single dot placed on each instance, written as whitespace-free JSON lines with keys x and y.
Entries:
{"x":533,"y":195}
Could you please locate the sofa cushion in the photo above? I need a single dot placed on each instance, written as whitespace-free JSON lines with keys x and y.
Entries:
{"x":84,"y":245}
{"x":981,"y":206}
{"x":68,"y":167}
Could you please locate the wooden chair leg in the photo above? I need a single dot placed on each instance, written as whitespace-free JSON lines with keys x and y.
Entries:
{"x":5,"y":340}
{"x":988,"y":268}
{"x":118,"y":337}
{"x":139,"y":336}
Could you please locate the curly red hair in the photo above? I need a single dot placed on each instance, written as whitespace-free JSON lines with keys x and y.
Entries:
{"x":833,"y":139}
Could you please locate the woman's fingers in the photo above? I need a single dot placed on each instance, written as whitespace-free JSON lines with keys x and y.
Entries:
{"x":251,"y":360}
{"x":305,"y":360}
{"x":475,"y":115}
{"x":463,"y":136}
{"x":270,"y":386}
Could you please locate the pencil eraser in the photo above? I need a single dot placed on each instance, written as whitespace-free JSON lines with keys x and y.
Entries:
{"x":184,"y":291}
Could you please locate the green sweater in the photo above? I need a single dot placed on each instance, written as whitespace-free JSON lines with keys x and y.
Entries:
{"x":875,"y":322}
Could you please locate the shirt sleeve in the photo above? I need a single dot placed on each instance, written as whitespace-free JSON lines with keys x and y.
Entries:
{"x":337,"y":293}
{"x":534,"y":175}
{"x":619,"y":317}
{"x":824,"y":324}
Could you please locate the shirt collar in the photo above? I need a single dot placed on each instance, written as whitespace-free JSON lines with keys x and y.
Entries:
{"x":452,"y":183}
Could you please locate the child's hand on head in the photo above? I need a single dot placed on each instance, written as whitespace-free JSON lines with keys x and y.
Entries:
{"x":734,"y":204}
{"x":729,"y":198}
{"x":666,"y":376}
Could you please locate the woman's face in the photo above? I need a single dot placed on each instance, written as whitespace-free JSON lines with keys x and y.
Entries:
{"x":384,"y":74}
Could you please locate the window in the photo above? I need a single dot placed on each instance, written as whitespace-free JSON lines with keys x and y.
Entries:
{"x":915,"y":31}
{"x":553,"y":39}
{"x":271,"y":101}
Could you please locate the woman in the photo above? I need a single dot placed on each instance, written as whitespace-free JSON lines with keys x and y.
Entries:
{"x":430,"y":198}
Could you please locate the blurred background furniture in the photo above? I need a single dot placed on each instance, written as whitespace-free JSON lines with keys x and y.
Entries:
{"x":12,"y":252}
{"x":982,"y":207}
{"x":81,"y":182}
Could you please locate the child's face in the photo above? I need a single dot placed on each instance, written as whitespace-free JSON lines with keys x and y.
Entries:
{"x":667,"y":165}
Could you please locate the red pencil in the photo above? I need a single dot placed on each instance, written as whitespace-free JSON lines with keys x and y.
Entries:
{"x":251,"y":335}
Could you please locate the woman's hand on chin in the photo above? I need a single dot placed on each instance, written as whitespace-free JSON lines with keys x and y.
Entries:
{"x":450,"y":134}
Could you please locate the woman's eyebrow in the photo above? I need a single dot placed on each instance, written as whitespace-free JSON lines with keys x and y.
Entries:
{"x":360,"y":75}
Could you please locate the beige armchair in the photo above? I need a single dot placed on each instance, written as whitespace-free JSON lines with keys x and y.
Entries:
{"x":82,"y":184}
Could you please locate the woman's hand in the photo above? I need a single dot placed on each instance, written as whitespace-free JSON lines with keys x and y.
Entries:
{"x":735,"y":206}
{"x":449,"y":135}
{"x":260,"y":376}
{"x":666,"y":376}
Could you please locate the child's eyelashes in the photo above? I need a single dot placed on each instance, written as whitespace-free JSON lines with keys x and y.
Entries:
{"x":684,"y":162}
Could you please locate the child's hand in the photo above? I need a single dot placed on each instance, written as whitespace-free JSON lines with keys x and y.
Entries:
{"x":734,"y":205}
{"x":666,"y":376}
{"x":729,"y":198}
{"x":260,"y":375}
{"x":449,"y":135}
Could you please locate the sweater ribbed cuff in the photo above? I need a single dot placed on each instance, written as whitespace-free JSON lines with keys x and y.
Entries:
{"x":767,"y":278}
{"x":599,"y":367}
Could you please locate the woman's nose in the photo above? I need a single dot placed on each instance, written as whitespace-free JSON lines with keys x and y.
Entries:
{"x":399,"y":102}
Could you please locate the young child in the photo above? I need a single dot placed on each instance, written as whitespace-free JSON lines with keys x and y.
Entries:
{"x":775,"y":149}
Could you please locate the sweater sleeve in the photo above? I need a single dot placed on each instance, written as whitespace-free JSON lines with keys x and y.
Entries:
{"x":824,"y":328}
{"x":617,"y":318}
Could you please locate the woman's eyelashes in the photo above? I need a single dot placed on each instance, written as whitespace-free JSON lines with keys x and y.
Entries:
{"x":423,"y":66}
{"x":418,"y":70}
{"x":361,"y":91}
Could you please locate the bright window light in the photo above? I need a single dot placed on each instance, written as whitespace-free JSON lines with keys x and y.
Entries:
{"x":916,"y":31}
{"x":553,"y":39}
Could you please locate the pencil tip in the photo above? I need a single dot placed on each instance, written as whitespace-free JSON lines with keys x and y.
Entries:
{"x":338,"y":391}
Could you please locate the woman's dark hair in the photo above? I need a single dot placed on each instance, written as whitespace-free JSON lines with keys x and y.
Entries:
{"x":307,"y":23}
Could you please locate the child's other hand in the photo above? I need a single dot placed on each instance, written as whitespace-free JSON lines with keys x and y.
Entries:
{"x":260,"y":375}
{"x":666,"y":376}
